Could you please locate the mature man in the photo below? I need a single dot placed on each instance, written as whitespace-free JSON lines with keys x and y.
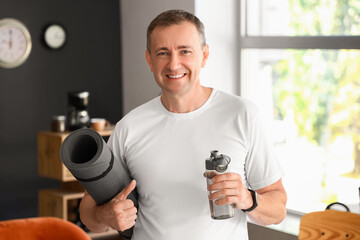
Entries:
{"x":164,"y":144}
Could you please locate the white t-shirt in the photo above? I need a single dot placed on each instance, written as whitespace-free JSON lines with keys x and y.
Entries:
{"x":165,"y":153}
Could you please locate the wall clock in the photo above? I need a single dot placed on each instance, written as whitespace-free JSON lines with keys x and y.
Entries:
{"x":15,"y":43}
{"x":55,"y":36}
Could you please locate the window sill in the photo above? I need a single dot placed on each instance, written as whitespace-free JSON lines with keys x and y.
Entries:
{"x":291,"y":223}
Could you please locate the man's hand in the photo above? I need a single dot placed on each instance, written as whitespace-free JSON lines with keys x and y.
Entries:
{"x":119,"y":213}
{"x":229,"y":189}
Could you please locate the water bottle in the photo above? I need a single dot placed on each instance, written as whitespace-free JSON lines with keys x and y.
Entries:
{"x":215,"y":165}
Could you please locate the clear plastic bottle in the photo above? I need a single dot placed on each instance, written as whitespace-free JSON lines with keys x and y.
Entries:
{"x":215,"y":165}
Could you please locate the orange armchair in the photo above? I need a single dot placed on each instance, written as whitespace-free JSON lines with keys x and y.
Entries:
{"x":41,"y":228}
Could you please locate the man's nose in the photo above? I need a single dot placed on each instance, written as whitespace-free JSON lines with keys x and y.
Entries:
{"x":174,"y":62}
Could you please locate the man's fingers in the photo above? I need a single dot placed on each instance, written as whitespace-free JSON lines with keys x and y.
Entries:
{"x":127,"y":218}
{"x":127,"y":226}
{"x":126,"y":191}
{"x":226,"y":177}
{"x":223,"y":193}
{"x":226,"y":200}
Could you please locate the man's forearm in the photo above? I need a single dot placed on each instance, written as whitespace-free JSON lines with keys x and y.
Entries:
{"x":88,"y":217}
{"x":271,"y":208}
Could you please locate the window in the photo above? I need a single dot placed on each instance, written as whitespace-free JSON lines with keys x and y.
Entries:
{"x":300,"y":62}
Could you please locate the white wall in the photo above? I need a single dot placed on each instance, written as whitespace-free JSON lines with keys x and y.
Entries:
{"x":220,"y":28}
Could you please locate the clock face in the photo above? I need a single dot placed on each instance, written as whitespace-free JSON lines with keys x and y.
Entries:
{"x":55,"y":36}
{"x":15,"y":43}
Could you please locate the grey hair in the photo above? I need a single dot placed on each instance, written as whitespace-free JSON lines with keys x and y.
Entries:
{"x":172,"y":17}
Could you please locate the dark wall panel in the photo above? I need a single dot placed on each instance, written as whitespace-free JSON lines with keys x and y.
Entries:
{"x":35,"y":91}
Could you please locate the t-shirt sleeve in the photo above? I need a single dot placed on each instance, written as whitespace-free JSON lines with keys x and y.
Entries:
{"x":262,"y":167}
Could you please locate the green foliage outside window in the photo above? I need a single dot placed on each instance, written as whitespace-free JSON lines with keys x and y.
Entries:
{"x":322,"y":87}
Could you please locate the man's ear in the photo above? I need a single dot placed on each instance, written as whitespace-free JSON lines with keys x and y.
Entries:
{"x":205,"y":55}
{"x":148,"y":59}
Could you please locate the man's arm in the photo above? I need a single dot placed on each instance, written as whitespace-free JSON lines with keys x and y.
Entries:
{"x":119,"y":213}
{"x":272,"y":199}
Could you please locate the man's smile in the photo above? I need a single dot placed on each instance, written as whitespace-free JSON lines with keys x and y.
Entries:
{"x":175,"y":76}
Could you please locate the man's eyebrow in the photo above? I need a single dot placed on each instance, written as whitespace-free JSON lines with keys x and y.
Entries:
{"x":166,"y":49}
{"x":161,"y":49}
{"x":184,"y":46}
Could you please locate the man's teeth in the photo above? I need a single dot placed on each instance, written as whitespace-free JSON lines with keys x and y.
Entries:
{"x":176,"y":76}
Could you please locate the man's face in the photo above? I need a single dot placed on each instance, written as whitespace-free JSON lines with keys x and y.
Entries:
{"x":176,"y":58}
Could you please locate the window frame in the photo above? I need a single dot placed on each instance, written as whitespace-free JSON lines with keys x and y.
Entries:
{"x":331,"y":42}
{"x":291,"y":42}
{"x":245,"y":41}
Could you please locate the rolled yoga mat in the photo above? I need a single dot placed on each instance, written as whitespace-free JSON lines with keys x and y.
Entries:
{"x":87,"y":156}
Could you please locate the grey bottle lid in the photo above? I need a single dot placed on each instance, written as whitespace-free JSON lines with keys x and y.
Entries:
{"x":217,"y":162}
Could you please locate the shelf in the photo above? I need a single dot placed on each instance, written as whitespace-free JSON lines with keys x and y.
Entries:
{"x":63,"y":204}
{"x":59,"y":203}
{"x":49,"y":162}
{"x":111,"y":232}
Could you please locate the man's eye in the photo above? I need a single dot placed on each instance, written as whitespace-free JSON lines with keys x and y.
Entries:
{"x":162,"y":54}
{"x":186,"y":52}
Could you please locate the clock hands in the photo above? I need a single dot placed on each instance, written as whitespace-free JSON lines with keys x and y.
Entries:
{"x":10,"y":39}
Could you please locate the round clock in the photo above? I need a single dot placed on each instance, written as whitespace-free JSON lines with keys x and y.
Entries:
{"x":55,"y":36}
{"x":15,"y":43}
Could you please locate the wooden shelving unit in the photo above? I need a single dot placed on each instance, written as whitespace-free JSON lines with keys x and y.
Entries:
{"x":60,"y":202}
